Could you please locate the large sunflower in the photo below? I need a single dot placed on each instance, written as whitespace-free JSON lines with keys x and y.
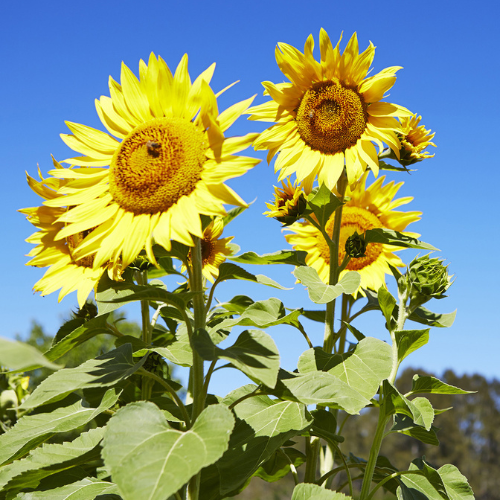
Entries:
{"x":330,"y":114}
{"x":65,"y":271}
{"x":167,"y":166}
{"x":365,"y":209}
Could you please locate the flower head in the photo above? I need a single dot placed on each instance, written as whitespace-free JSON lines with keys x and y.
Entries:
{"x":66,"y":272}
{"x":366,"y":208}
{"x":414,"y":139}
{"x":168,"y":161}
{"x":214,"y":249}
{"x":289,"y":203}
{"x":330,"y":115}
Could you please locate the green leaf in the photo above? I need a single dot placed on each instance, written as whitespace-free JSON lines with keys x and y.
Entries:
{"x":263,"y":426}
{"x":178,"y":350}
{"x":432,"y":385}
{"x":292,"y":257}
{"x":316,"y":359}
{"x":318,"y":316}
{"x":428,"y":318}
{"x":419,"y":410}
{"x":405,"y":425}
{"x":78,"y":336}
{"x":151,"y":461}
{"x":409,"y":341}
{"x":322,"y":203}
{"x":166,"y":268}
{"x":308,"y":491}
{"x":31,"y":430}
{"x":228,"y":271}
{"x":18,"y":356}
{"x":446,"y":482}
{"x":319,"y":292}
{"x":366,"y":367}
{"x":357,"y":334}
{"x":387,"y":303}
{"x":390,"y":237}
{"x":262,"y":314}
{"x":278,"y":465}
{"x":321,"y":388}
{"x":254,"y":353}
{"x":154,"y":292}
{"x":323,"y":425}
{"x":50,"y":459}
{"x":86,"y":489}
{"x":104,"y":371}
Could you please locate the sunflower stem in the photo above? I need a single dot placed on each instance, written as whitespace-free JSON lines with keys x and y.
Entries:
{"x":147,"y":384}
{"x":197,"y":370}
{"x":334,"y":267}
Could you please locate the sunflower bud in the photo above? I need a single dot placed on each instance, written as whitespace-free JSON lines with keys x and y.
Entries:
{"x":289,"y":203}
{"x":86,"y":312}
{"x":414,"y":139}
{"x":427,"y":278}
{"x":355,"y":246}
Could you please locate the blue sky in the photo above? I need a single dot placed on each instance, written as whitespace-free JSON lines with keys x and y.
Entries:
{"x":57,"y":56}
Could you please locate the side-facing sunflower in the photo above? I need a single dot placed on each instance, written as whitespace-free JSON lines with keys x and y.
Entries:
{"x":65,"y":272}
{"x":330,"y":114}
{"x":215,"y":249}
{"x":168,"y":161}
{"x":414,"y":139}
{"x":289,"y":202}
{"x":367,"y":208}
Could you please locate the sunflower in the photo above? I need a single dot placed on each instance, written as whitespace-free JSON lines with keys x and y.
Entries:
{"x":214,"y":249}
{"x":289,"y":202}
{"x":365,"y":209}
{"x":414,"y":139}
{"x":65,"y":272}
{"x":330,"y":114}
{"x":168,"y":161}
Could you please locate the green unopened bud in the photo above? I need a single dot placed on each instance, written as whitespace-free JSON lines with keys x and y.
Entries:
{"x":427,"y":278}
{"x":86,"y":312}
{"x":355,"y":246}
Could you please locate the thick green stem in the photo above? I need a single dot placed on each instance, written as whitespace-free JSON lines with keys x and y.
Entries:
{"x":197,"y":370}
{"x":312,"y":452}
{"x":147,"y":383}
{"x":334,"y":267}
{"x":402,"y":316}
{"x":374,"y":451}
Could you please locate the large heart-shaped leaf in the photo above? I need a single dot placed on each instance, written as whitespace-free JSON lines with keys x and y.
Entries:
{"x":150,"y":460}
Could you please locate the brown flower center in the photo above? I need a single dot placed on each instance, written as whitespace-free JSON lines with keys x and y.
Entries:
{"x":331,"y":118}
{"x":156,"y":164}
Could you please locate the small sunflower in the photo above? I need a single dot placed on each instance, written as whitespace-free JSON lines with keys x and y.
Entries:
{"x":65,"y":271}
{"x":214,"y":249}
{"x":414,"y":139}
{"x":289,"y":202}
{"x":330,"y":114}
{"x":365,"y":209}
{"x":168,"y":161}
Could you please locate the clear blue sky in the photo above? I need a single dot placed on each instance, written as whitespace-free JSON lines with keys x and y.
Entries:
{"x":56,"y":58}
